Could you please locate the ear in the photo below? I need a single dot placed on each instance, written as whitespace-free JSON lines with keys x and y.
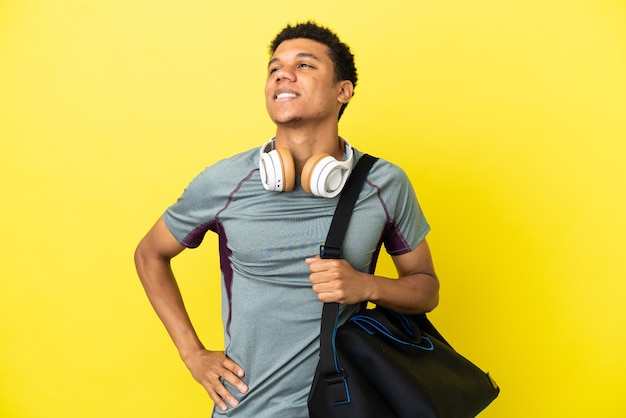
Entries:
{"x":346,"y":90}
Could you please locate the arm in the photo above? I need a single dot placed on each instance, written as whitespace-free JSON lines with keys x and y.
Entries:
{"x":152,"y":259}
{"x":416,"y":290}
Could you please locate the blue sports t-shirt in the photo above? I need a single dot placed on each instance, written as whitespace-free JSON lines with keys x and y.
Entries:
{"x":270,"y":313}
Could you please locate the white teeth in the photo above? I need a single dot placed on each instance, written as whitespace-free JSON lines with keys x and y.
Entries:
{"x":285,"y":95}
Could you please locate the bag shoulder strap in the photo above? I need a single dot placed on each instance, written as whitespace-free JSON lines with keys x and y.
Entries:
{"x":328,"y":364}
{"x":343,"y":212}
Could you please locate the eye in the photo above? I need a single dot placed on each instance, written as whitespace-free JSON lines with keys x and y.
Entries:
{"x":304,"y":65}
{"x":272,"y":70}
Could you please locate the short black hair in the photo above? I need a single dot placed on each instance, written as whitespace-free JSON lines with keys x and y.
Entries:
{"x":339,"y":52}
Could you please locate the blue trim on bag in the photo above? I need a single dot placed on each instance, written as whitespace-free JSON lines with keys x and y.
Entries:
{"x":404,"y":321}
{"x":338,"y":367}
{"x":372,"y":326}
{"x":336,"y":357}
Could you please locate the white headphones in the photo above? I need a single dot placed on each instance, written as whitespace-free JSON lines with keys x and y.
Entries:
{"x":322,"y":174}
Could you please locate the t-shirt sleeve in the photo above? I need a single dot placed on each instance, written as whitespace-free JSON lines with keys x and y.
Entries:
{"x":408,"y":226}
{"x":193,"y":214}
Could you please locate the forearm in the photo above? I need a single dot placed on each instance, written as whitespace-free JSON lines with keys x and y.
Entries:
{"x":415,"y":291}
{"x":417,"y":288}
{"x":163,"y":293}
{"x":411,"y":294}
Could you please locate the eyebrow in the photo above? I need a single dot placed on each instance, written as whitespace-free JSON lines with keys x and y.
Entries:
{"x":298,"y":55}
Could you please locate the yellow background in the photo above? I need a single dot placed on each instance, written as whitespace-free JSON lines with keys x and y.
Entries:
{"x":509,"y":116}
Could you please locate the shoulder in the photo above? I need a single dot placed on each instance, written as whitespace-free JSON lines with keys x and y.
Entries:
{"x":228,"y":170}
{"x":392,"y":187}
{"x":385,"y":173}
{"x":242,"y":162}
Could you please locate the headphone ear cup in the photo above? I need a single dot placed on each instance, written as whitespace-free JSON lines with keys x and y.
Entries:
{"x":307,"y":179}
{"x":267,"y":172}
{"x":277,"y":170}
{"x":288,"y":169}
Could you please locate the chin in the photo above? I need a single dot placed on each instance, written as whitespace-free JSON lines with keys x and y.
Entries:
{"x":287,"y":120}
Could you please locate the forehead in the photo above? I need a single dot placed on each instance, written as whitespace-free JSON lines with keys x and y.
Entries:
{"x":293,"y":47}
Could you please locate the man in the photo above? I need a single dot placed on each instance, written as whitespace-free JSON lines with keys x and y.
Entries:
{"x":271,"y":209}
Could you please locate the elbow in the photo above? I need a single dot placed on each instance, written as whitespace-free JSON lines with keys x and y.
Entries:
{"x":433,"y":302}
{"x":139,"y":255}
{"x":432,"y":298}
{"x":144,"y":260}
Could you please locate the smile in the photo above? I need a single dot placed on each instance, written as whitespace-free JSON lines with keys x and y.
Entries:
{"x":285,"y":96}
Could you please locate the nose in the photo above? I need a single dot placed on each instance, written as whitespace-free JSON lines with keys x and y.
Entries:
{"x":285,"y":73}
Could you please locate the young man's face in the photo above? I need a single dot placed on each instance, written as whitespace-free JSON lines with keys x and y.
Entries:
{"x":301,"y":84}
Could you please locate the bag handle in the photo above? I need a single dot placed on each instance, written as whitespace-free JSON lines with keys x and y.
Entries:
{"x":329,"y":363}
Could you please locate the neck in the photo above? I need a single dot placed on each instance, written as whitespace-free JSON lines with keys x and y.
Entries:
{"x":304,"y":144}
